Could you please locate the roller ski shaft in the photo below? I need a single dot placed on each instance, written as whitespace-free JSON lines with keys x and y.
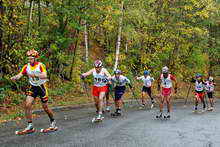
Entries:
{"x":48,"y":130}
{"x":23,"y":132}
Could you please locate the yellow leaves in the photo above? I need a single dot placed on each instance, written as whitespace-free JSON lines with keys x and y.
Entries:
{"x":107,"y":24}
{"x":188,"y":8}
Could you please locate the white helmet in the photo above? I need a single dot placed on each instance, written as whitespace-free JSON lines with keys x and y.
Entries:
{"x":165,"y":69}
{"x":210,"y":78}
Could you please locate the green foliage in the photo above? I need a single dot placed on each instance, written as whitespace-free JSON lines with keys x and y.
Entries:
{"x":183,"y":35}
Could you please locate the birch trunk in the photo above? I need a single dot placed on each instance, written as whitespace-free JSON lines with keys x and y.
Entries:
{"x":30,"y":16}
{"x":86,"y":42}
{"x":119,"y":38}
{"x":1,"y":24}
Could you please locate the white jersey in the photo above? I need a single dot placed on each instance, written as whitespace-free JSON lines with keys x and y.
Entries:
{"x":199,"y":86}
{"x":147,"y":82}
{"x":166,"y":82}
{"x":209,"y":86}
{"x":121,"y":81}
{"x":100,"y":79}
{"x":36,"y":81}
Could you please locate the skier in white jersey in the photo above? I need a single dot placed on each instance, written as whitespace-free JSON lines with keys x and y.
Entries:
{"x":199,"y":91}
{"x":165,"y":81}
{"x":119,"y":82}
{"x":100,"y":87}
{"x":210,"y":86}
{"x":146,"y":89}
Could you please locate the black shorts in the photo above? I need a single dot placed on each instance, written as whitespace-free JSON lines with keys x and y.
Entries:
{"x":146,"y":89}
{"x":210,"y":94}
{"x":119,"y":91}
{"x":38,"y":91}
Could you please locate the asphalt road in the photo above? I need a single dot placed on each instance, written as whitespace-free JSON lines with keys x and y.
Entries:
{"x":135,"y":128}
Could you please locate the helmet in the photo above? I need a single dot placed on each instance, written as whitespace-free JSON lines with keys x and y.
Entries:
{"x":117,"y":71}
{"x":33,"y":53}
{"x":98,"y":63}
{"x":165,"y":69}
{"x":146,"y":72}
{"x":211,"y":79}
{"x":198,"y":75}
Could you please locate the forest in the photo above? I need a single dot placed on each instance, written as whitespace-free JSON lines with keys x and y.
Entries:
{"x":131,"y":35}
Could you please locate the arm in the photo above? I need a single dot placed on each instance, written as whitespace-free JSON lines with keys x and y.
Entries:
{"x":175,"y":83}
{"x":17,"y":77}
{"x":87,"y":73}
{"x":158,"y":84}
{"x":22,"y":72}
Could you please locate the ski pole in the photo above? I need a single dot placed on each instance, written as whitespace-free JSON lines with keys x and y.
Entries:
{"x":85,"y":88}
{"x":134,"y":96}
{"x":187,"y":95}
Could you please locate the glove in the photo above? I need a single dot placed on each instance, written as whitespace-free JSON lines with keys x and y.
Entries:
{"x":82,"y":77}
{"x":175,"y":89}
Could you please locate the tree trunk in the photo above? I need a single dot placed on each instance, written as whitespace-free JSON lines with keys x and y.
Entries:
{"x":126,"y":47}
{"x":74,"y":54}
{"x":30,"y":16}
{"x":39,"y":13}
{"x":1,"y":30}
{"x":86,"y":42}
{"x":119,"y":38}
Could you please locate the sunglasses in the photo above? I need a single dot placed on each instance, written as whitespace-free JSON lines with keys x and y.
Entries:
{"x":31,"y":58}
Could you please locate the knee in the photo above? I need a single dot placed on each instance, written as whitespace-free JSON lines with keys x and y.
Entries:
{"x":28,"y":105}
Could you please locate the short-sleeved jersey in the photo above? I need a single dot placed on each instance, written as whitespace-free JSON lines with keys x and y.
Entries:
{"x":199,"y":85}
{"x":35,"y":69}
{"x":167,"y":82}
{"x":209,"y":86}
{"x":101,"y":78}
{"x":147,"y":81}
{"x":120,"y":81}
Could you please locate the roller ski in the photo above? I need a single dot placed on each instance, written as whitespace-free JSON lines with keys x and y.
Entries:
{"x":52,"y":128}
{"x":210,"y":109}
{"x":27,"y":130}
{"x":167,"y":116}
{"x":97,"y":119}
{"x":116,"y":114}
{"x":142,"y":107}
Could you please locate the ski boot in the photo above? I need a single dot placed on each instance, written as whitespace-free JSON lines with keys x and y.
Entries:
{"x":143,"y":106}
{"x":29,"y":129}
{"x":117,"y":113}
{"x":107,"y":109}
{"x":98,"y":118}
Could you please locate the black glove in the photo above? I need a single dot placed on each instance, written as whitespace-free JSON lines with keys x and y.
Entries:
{"x":82,"y":77}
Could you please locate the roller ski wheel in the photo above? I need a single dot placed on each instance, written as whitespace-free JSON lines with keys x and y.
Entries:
{"x":48,"y":130}
{"x":159,"y":116}
{"x":166,"y":116}
{"x":23,"y":132}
